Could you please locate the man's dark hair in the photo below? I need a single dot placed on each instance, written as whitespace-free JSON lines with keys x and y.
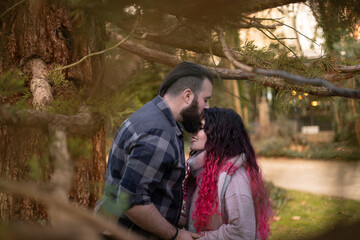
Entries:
{"x":183,"y":76}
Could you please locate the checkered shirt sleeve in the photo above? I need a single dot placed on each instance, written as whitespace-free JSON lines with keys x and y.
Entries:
{"x":150,"y":156}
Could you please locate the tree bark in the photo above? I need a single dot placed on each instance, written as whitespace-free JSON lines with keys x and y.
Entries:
{"x":35,"y":36}
{"x":18,"y":146}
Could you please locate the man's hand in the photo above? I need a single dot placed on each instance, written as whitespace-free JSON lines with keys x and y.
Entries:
{"x":149,"y":218}
{"x":184,"y":235}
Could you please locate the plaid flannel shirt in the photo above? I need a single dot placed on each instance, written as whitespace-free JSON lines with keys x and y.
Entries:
{"x":147,"y":160}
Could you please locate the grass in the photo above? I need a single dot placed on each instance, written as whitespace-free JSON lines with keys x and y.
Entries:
{"x":307,"y":215}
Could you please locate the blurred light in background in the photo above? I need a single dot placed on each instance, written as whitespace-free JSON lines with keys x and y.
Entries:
{"x":315,"y":103}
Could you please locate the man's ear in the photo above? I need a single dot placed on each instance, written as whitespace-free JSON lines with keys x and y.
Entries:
{"x":188,"y":96}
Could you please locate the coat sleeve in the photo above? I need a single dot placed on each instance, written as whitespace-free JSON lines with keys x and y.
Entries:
{"x":239,"y":207}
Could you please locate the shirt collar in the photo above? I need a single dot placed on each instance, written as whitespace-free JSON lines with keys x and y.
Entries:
{"x":165,"y":109}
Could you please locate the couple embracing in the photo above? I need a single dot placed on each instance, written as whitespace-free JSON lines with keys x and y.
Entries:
{"x":223,"y":190}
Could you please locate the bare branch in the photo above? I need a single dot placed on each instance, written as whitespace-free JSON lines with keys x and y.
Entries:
{"x":277,"y":20}
{"x":62,"y":178}
{"x":278,"y":40}
{"x":81,"y":124}
{"x":239,"y":74}
{"x":147,"y":53}
{"x":334,"y":90}
{"x":39,"y":85}
{"x":273,"y":82}
{"x":348,"y":69}
{"x":297,"y":31}
{"x":81,"y":215}
{"x":93,"y":54}
{"x":12,"y":7}
{"x":195,"y":41}
{"x":255,"y":24}
{"x":261,"y":19}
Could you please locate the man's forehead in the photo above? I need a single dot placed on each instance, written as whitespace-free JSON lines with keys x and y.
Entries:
{"x":206,"y":87}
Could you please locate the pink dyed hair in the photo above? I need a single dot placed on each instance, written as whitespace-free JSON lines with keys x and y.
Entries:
{"x":227,"y":138}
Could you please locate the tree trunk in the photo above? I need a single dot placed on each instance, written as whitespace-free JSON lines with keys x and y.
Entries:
{"x":39,"y":29}
{"x":16,"y":152}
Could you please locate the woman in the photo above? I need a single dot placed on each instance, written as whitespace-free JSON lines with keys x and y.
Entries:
{"x":224,"y":191}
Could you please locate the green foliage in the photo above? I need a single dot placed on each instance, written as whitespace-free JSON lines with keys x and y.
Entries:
{"x":276,"y":57}
{"x":135,"y":92}
{"x":298,"y":148}
{"x":349,"y":50}
{"x":12,"y":81}
{"x":39,"y":162}
{"x":336,"y":18}
{"x":266,"y":147}
{"x":79,"y":147}
{"x":56,"y":78}
{"x":67,"y":106}
{"x":114,"y":105}
{"x":117,"y":108}
{"x":348,"y":113}
{"x":286,"y":100}
{"x":145,"y":83}
{"x":42,"y":222}
{"x":36,"y":172}
{"x":254,"y":56}
{"x":334,"y":151}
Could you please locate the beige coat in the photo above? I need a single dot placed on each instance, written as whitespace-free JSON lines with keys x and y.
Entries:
{"x":237,"y":200}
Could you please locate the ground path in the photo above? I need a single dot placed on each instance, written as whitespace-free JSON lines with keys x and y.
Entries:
{"x":332,"y":178}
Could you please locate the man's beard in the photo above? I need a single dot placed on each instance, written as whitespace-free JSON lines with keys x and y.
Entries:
{"x":191,"y":117}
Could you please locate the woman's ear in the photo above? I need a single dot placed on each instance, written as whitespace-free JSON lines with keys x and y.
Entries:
{"x":188,"y":96}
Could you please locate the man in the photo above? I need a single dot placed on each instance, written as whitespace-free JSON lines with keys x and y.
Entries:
{"x":147,"y":160}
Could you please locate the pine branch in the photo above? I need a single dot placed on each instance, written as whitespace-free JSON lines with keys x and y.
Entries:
{"x":299,"y":80}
